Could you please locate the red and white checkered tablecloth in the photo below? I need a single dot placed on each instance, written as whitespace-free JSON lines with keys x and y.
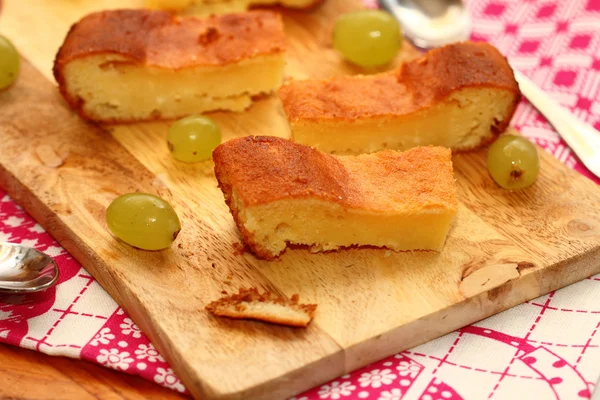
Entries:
{"x":547,"y":348}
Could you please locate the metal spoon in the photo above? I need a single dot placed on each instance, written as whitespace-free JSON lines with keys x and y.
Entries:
{"x":431,"y":23}
{"x":24,"y":270}
{"x":434,"y":23}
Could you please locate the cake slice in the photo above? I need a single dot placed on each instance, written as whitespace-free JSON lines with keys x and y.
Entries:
{"x":280,"y":192}
{"x":267,"y":307}
{"x":132,"y":65}
{"x":459,"y":96}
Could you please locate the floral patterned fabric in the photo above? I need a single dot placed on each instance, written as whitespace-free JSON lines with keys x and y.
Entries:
{"x":525,"y":352}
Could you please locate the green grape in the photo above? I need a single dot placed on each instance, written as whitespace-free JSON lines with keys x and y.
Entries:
{"x":368,"y":38}
{"x":193,"y":139}
{"x":10,"y":63}
{"x":143,"y":220}
{"x":513,"y":162}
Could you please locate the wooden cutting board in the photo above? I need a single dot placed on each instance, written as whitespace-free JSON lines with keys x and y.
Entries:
{"x":504,"y":249}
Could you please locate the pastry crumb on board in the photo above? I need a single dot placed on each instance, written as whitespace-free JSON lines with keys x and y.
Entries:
{"x":267,"y":307}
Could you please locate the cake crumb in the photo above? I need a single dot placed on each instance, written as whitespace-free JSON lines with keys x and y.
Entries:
{"x":239,"y":248}
{"x":266,"y":307}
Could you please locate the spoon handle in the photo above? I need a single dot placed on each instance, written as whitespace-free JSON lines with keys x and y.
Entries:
{"x":582,"y":138}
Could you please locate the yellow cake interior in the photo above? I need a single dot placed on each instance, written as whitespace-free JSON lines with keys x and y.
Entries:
{"x":461,"y":121}
{"x":310,"y":221}
{"x":114,"y":88}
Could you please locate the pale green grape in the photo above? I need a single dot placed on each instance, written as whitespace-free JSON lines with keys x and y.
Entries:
{"x":193,"y":139}
{"x":368,"y":38}
{"x":513,"y":162}
{"x":143,"y":220}
{"x":10,"y":63}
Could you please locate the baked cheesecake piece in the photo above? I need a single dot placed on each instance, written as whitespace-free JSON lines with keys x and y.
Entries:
{"x":281,"y":192}
{"x":459,"y":96}
{"x":266,"y":307}
{"x":132,"y":65}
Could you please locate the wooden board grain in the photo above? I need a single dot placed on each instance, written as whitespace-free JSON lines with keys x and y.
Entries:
{"x":28,"y":375}
{"x":505,"y":247}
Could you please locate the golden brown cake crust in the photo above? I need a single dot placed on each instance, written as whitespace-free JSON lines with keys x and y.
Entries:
{"x":234,"y":306}
{"x":263,"y":169}
{"x":160,"y":39}
{"x":414,"y":85}
{"x":446,"y":69}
